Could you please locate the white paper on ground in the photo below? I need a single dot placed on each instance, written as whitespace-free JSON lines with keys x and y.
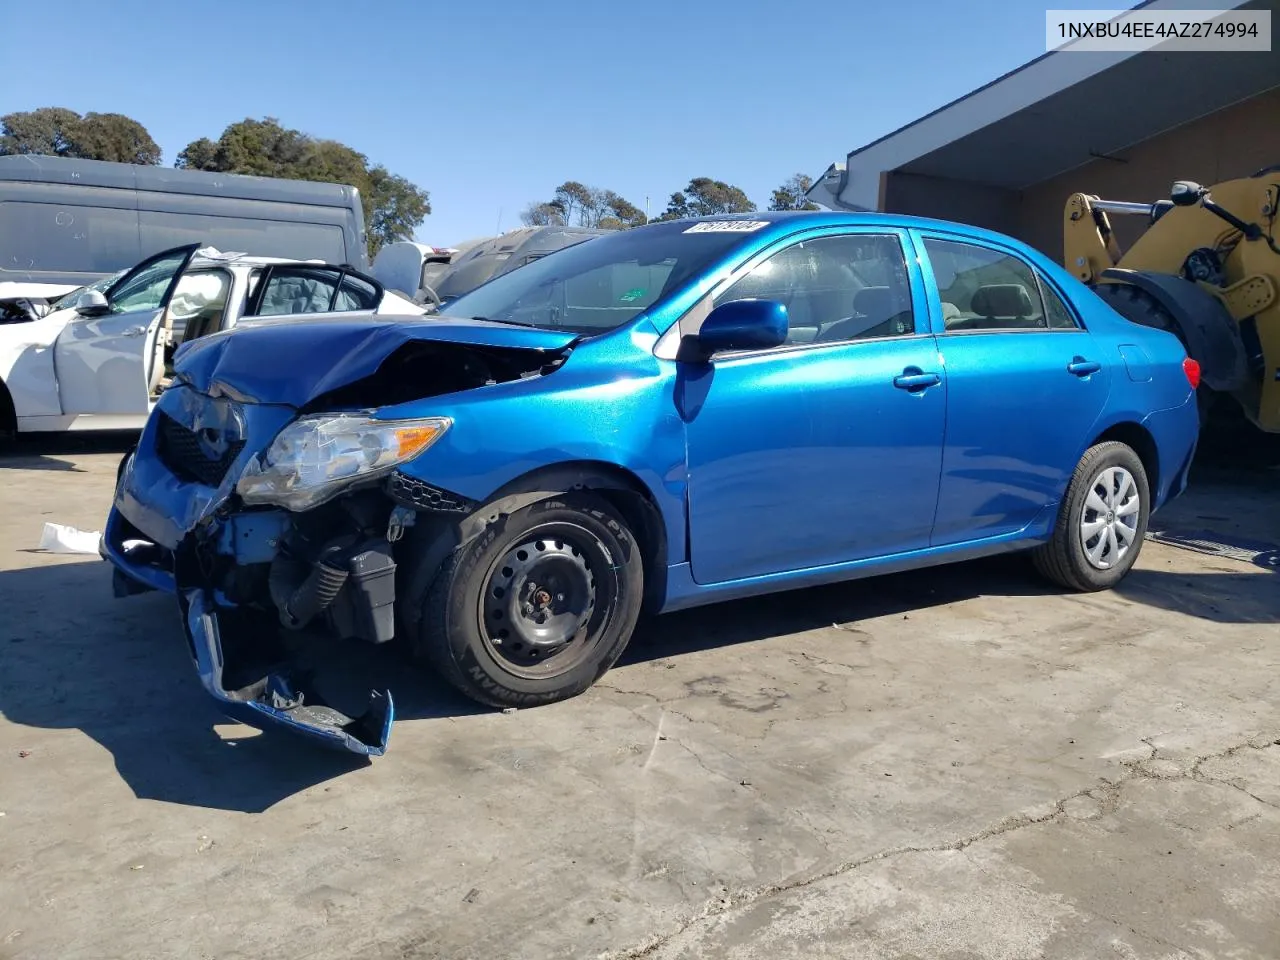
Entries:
{"x":57,"y":538}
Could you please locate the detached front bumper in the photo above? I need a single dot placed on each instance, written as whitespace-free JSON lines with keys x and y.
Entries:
{"x":273,"y":700}
{"x":160,"y":534}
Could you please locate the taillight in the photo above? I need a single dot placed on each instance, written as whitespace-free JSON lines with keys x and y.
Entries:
{"x":1192,"y":369}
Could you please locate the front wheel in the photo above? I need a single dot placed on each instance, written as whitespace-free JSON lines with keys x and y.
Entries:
{"x":537,"y":608}
{"x":1102,"y":521}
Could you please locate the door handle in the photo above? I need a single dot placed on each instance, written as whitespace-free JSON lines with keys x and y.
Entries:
{"x":1082,"y":367}
{"x":913,"y":378}
{"x":135,"y":331}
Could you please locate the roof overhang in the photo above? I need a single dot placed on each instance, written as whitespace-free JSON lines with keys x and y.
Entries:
{"x":1056,"y":113}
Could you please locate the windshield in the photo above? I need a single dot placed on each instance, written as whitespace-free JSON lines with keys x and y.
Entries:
{"x":598,"y":286}
{"x":69,"y":300}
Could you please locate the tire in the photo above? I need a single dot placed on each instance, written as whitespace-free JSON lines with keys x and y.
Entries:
{"x":1141,"y":308}
{"x":573,"y":562}
{"x":1066,"y":558}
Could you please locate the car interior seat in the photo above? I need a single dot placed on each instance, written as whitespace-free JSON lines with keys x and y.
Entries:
{"x":999,"y":306}
{"x":878,"y":312}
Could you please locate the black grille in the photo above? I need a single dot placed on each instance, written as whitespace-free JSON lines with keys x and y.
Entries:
{"x":423,"y":496}
{"x":180,"y":450}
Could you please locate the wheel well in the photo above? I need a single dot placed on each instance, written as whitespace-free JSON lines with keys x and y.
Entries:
{"x":626,"y":493}
{"x":1136,"y":437}
{"x":8,"y":415}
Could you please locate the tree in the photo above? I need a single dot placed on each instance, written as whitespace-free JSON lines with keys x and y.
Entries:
{"x":620,"y":213}
{"x":398,"y":206}
{"x":393,"y":206}
{"x":792,"y":195}
{"x":704,"y":197}
{"x":549,"y":214}
{"x":577,"y":204}
{"x":59,"y":132}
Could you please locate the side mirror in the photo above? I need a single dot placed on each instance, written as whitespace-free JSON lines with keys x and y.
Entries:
{"x":1186,"y":193}
{"x":737,"y":325}
{"x":92,"y":303}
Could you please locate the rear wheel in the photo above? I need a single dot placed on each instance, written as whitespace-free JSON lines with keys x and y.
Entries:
{"x":1139,"y":307}
{"x":536,"y":609}
{"x":1102,"y":521}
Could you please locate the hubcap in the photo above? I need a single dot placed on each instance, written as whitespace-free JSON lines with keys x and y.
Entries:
{"x":1109,"y":521}
{"x":539,"y":600}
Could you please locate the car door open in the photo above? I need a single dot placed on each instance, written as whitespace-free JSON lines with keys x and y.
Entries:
{"x":110,"y":359}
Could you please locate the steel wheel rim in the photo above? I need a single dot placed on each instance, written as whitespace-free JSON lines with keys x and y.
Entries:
{"x":546,"y":601}
{"x":1109,"y":520}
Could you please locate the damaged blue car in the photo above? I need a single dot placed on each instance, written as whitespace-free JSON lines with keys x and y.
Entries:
{"x":682,"y":413}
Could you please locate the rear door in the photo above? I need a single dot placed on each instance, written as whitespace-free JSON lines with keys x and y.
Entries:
{"x":310,"y":288}
{"x":1025,"y":385}
{"x":110,"y":364}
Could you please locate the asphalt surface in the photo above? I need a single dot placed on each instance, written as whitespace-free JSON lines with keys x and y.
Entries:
{"x":954,"y":763}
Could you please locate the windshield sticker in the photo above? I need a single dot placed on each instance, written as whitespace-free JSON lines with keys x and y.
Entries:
{"x":632,"y":295}
{"x":727,"y":226}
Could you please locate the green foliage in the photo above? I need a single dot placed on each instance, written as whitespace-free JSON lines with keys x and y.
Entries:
{"x":549,"y":214}
{"x":577,"y":204}
{"x":59,"y":132}
{"x":393,"y":207}
{"x":792,"y":194}
{"x":704,"y":197}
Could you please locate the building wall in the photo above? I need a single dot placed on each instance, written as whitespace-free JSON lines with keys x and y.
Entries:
{"x":1234,"y":142}
{"x":921,"y":196}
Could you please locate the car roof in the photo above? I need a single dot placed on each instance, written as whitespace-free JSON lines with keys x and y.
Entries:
{"x":201,"y":260}
{"x":782,"y":222}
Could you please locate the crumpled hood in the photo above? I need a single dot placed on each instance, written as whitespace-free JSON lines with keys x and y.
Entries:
{"x":294,"y":361}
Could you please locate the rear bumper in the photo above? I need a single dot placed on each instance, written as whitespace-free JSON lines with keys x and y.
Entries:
{"x":1176,"y":432}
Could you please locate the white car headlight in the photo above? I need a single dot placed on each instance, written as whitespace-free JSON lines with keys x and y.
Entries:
{"x":316,"y":457}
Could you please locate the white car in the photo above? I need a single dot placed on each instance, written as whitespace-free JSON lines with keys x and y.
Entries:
{"x":99,"y":359}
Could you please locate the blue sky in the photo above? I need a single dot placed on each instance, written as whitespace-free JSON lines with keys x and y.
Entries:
{"x":491,"y":105}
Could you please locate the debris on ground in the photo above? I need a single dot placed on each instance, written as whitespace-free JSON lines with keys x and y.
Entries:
{"x":58,"y":538}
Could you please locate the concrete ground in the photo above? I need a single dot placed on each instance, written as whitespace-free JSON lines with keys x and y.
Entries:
{"x":954,"y":763}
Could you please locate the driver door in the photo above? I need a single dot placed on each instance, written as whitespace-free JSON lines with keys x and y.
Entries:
{"x":828,"y":448}
{"x":108,"y":363}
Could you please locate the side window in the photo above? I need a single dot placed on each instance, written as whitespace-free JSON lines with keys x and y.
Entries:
{"x":1060,"y":316}
{"x":984,"y":289}
{"x":851,"y":287}
{"x":313,"y":290}
{"x":145,"y":289}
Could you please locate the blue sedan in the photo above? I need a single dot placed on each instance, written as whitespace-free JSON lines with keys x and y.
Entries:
{"x":674,"y":415}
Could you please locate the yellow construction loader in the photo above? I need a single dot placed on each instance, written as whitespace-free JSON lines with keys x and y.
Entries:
{"x":1207,"y":268}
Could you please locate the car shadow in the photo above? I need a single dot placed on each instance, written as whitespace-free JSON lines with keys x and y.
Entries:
{"x":45,"y":451}
{"x":75,"y":658}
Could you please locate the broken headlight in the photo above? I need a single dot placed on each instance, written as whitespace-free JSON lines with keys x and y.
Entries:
{"x":316,"y":457}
